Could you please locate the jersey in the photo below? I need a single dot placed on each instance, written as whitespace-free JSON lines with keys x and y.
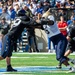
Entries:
{"x":51,"y":30}
{"x":18,"y":27}
{"x":71,"y":34}
{"x":71,"y":31}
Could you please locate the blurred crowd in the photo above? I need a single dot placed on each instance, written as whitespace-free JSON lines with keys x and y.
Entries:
{"x":9,"y":8}
{"x":35,"y":8}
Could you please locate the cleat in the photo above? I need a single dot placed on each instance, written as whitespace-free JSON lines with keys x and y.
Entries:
{"x":59,"y":66}
{"x":72,"y":70}
{"x":10,"y":69}
{"x":69,"y":67}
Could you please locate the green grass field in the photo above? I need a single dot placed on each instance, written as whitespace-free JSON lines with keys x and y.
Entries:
{"x":32,"y":60}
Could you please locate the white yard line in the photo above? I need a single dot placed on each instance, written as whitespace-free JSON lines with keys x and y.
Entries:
{"x":41,"y":53}
{"x":28,"y":57}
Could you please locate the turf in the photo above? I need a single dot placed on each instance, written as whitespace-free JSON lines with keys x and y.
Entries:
{"x":34,"y":59}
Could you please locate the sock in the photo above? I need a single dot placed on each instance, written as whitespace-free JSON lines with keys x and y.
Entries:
{"x":8,"y":66}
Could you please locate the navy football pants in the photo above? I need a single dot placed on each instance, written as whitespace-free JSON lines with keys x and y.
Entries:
{"x":61,"y":43}
{"x":7,"y":47}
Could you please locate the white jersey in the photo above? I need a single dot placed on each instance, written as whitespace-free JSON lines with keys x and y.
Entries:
{"x":51,"y":30}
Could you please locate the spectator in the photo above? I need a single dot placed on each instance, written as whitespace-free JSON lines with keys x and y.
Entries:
{"x":32,"y":40}
{"x":17,"y":8}
{"x":16,"y":2}
{"x":28,"y":3}
{"x":62,"y":25}
{"x":52,"y":3}
{"x":74,"y":8}
{"x":49,"y":45}
{"x":22,"y":2}
{"x":59,"y":3}
{"x":69,"y":22}
{"x":11,"y":12}
{"x":33,"y":10}
{"x":46,"y":5}
{"x":68,"y":4}
{"x":34,"y":4}
{"x":62,"y":13}
{"x":4,"y":2}
{"x":9,"y":2}
{"x":5,"y":14}
{"x":39,"y":9}
{"x":27,"y":11}
{"x":0,"y":7}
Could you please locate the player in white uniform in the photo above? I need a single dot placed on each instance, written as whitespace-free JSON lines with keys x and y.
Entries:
{"x":58,"y":39}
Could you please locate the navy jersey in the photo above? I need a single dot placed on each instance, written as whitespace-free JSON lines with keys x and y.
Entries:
{"x":17,"y":27}
{"x":71,"y":32}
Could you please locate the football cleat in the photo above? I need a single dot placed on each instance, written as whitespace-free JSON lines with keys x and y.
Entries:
{"x":72,"y":70}
{"x":59,"y":66}
{"x":10,"y":69}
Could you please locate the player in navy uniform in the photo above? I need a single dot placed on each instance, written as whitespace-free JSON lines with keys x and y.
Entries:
{"x":71,"y":42}
{"x":12,"y":35}
{"x":18,"y":26}
{"x":71,"y":38}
